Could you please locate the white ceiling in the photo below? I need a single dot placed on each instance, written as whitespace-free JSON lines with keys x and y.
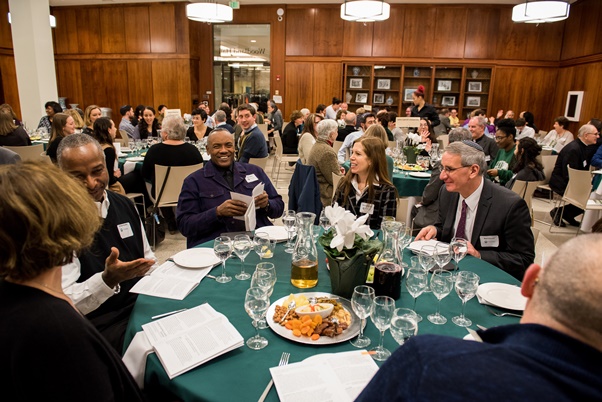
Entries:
{"x":243,"y":2}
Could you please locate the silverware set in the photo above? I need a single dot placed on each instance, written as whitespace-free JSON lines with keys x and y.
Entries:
{"x":283,"y":362}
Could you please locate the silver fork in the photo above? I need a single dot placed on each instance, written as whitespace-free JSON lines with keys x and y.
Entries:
{"x":500,"y":314}
{"x":283,"y":362}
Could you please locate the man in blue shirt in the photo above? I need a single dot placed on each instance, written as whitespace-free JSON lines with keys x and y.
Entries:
{"x":252,"y":143}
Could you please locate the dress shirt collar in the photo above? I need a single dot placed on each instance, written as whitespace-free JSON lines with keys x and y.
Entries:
{"x":472,"y":201}
{"x":251,"y":128}
{"x":103,"y":206}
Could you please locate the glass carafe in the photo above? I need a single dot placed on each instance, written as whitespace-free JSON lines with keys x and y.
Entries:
{"x":387,"y":270}
{"x":304,"y":271}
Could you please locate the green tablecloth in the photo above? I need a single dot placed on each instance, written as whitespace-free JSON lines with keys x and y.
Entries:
{"x":43,"y":142}
{"x":409,"y":186}
{"x":242,"y":374}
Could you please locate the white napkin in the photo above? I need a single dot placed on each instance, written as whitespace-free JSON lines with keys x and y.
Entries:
{"x":129,"y":167}
{"x":483,"y":301}
{"x":117,"y":146}
{"x":135,"y":357}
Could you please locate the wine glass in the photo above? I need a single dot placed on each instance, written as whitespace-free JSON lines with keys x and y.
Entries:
{"x":265,"y":280}
{"x":316,"y":232}
{"x":324,"y":221}
{"x":416,"y":283}
{"x":458,"y":248}
{"x":441,"y":285}
{"x":404,"y":325}
{"x":242,"y":247}
{"x":361,"y":302}
{"x":262,"y":244}
{"x":289,"y":219}
{"x":442,"y":254}
{"x":257,"y":302}
{"x":426,"y":257}
{"x":382,"y":313}
{"x":271,"y":269}
{"x":222,"y":246}
{"x":404,"y":239}
{"x":466,"y":286}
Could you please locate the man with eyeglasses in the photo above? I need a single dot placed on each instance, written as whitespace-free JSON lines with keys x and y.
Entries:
{"x":500,"y":168}
{"x":495,"y":221}
{"x":477,"y":126}
{"x":576,"y":156}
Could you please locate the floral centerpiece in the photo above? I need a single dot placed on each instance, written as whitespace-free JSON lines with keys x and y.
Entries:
{"x":348,"y":248}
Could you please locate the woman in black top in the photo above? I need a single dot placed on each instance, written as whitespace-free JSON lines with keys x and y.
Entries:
{"x":11,"y":134}
{"x":90,"y":115}
{"x":423,"y":109}
{"x":105,"y":132}
{"x":290,"y":135}
{"x":199,"y":129}
{"x":62,"y":126}
{"x":527,"y":167}
{"x":148,"y":124}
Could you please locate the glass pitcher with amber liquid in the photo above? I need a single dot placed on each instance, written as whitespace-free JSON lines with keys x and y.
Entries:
{"x":304,"y":271}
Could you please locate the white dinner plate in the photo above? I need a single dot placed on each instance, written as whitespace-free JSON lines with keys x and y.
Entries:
{"x":196,"y":258}
{"x":502,"y":295}
{"x":126,"y":150}
{"x":349,"y":333}
{"x":135,"y":159}
{"x":420,"y":174}
{"x":416,"y":246}
{"x":121,"y":155}
{"x":277,"y":233}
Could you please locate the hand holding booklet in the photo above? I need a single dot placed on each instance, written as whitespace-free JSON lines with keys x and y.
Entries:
{"x":170,"y":281}
{"x":249,"y":216}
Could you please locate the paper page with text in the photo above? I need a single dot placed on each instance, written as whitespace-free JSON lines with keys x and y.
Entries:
{"x":248,"y":199}
{"x":170,"y":281}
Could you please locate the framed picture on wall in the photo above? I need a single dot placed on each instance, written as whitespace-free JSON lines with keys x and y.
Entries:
{"x":407,"y":94}
{"x":448,"y":101}
{"x":572,"y":110}
{"x":361,"y":97}
{"x":383,"y":84}
{"x":379,"y":98}
{"x":355,"y":83}
{"x":474,"y":101}
{"x":444,"y":85}
{"x":475,"y":86}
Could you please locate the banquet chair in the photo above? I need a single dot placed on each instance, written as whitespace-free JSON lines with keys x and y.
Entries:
{"x":264,"y":130}
{"x":124,"y":140}
{"x":443,"y":141}
{"x":280,"y":158}
{"x":548,"y":162}
{"x":335,"y":183}
{"x":29,"y":152}
{"x":133,"y":197}
{"x":337,"y":145}
{"x":261,"y":162}
{"x":173,"y":185}
{"x":525,"y":190}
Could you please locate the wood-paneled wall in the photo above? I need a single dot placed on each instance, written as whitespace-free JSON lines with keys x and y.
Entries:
{"x":8,"y":73}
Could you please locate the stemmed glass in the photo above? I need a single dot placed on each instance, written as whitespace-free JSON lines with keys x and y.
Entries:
{"x":427,"y":260}
{"x":403,"y":240}
{"x":404,"y":160}
{"x":404,"y":325}
{"x":289,"y":219}
{"x":442,"y":255}
{"x":416,"y":283}
{"x":242,"y":248}
{"x":222,"y":246}
{"x":324,"y":221}
{"x":458,"y":248}
{"x":264,"y":279}
{"x":467,"y":284}
{"x":263,"y":245}
{"x":361,"y":302}
{"x":257,"y":302}
{"x":441,"y":285}
{"x":382,"y":313}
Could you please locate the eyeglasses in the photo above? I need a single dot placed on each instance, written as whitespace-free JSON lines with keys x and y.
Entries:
{"x":449,"y":170}
{"x":596,"y":133}
{"x":497,"y":138}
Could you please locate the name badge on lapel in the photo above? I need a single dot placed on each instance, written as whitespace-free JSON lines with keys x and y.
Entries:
{"x":125,"y":230}
{"x":250,"y":178}
{"x":490,"y":241}
{"x":366,"y":208}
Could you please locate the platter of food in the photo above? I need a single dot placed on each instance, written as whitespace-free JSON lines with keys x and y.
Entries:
{"x":413,"y":167}
{"x":341,"y":325}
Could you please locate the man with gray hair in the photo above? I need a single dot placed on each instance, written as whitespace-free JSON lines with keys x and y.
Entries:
{"x":324,"y":159}
{"x":495,"y":221}
{"x":555,"y":350}
{"x":220,"y":121}
{"x":477,"y":125}
{"x":350,"y":121}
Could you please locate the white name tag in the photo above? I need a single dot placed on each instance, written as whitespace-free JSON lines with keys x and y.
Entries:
{"x":584,"y":163}
{"x":366,"y":208}
{"x":490,"y":241}
{"x":125,"y":230}
{"x":251,"y":178}
{"x":487,"y":158}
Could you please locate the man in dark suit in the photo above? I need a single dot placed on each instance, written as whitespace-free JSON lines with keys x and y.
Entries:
{"x":350,"y":120}
{"x":252,"y":143}
{"x":495,"y":220}
{"x":220,"y":121}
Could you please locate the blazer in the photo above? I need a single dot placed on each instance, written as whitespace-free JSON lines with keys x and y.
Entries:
{"x":304,"y":191}
{"x":502,"y":215}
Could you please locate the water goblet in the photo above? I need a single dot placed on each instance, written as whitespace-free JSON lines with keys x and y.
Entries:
{"x":458,"y":248}
{"x":441,"y":285}
{"x":442,"y":254}
{"x":271,"y":269}
{"x":265,"y":280}
{"x":404,"y":325}
{"x":316,"y":230}
{"x":222,"y":246}
{"x":427,"y":260}
{"x":262,"y":244}
{"x":361,"y":302}
{"x":403,"y":240}
{"x":466,"y":286}
{"x":289,"y":219}
{"x":242,"y":247}
{"x":256,"y":304}
{"x":382,"y":313}
{"x":415,"y":262}
{"x":416,"y":283}
{"x":324,"y":221}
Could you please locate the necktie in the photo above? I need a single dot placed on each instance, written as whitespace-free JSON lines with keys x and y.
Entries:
{"x":461,"y":229}
{"x":229,"y":179}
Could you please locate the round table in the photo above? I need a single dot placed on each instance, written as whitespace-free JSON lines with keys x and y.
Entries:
{"x":243,"y":374}
{"x":409,"y":186}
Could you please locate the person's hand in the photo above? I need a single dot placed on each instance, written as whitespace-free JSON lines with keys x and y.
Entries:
{"x":472,"y":251}
{"x":492,"y":172}
{"x":427,"y":233}
{"x":117,"y":271}
{"x":117,"y":173}
{"x":262,"y":200}
{"x":232,"y":208}
{"x":491,"y":120}
{"x":429,"y":144}
{"x":500,"y":113}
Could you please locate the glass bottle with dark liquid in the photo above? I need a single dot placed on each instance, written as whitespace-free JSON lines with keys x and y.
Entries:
{"x":387,"y":270}
{"x":304,"y":270}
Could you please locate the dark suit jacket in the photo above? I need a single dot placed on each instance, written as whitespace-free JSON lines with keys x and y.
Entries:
{"x":345,"y":131}
{"x":8,"y":157}
{"x":500,"y":213}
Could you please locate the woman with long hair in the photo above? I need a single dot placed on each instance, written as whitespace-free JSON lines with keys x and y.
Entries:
{"x":91,"y":113}
{"x":77,"y":120}
{"x":105,"y":132}
{"x":423,"y":109}
{"x":199,"y":129}
{"x":377,"y":131}
{"x":365,"y":189}
{"x":62,"y":126}
{"x":148,"y":124}
{"x":290,"y":134}
{"x":527,"y":167}
{"x":10,"y":133}
{"x":308,"y":136}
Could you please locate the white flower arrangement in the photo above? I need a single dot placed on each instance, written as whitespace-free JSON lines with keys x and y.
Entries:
{"x":187,"y":118}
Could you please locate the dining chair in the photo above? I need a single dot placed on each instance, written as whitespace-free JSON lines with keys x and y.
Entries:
{"x":261,"y":162}
{"x":337,"y":145}
{"x":336,"y":178}
{"x":133,"y":197}
{"x":443,"y":141}
{"x":525,"y":190}
{"x":263,"y":127}
{"x":173,"y":186}
{"x":29,"y":152}
{"x":280,"y":158}
{"x":124,"y":140}
{"x":548,"y":162}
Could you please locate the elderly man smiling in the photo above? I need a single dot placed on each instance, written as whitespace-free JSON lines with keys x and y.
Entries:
{"x":206,"y":209}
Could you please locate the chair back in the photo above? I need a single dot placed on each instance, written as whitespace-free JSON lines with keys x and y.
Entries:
{"x":173,"y":186}
{"x":541,"y":134}
{"x":579,"y":188}
{"x":392,"y":145}
{"x":264,"y":129}
{"x":337,"y":145}
{"x":284,"y":124}
{"x":443,"y":141}
{"x":335,"y":183}
{"x":124,"y":140}
{"x":261,"y":162}
{"x":278,"y":142}
{"x":535,"y":234}
{"x":29,"y":152}
{"x":548,"y":162}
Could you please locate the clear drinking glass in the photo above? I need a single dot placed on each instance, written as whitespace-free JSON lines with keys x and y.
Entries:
{"x":242,"y":247}
{"x":289,"y":219}
{"x":441,"y":285}
{"x":404,"y":325}
{"x":458,"y":248}
{"x":362,"y":303}
{"x":324,"y":222}
{"x":442,"y":254}
{"x":256,"y":304}
{"x":466,"y":286}
{"x":222,"y":247}
{"x":427,"y":261}
{"x":382,"y":313}
{"x":268,"y":267}
{"x":416,"y":283}
{"x":403,"y":240}
{"x":265,"y":280}
{"x":262,"y":244}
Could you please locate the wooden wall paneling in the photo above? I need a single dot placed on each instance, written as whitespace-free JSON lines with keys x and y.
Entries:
{"x":195,"y":94}
{"x":511,"y":37}
{"x":481,"y":30}
{"x":545,"y":43}
{"x":278,"y":44}
{"x":419,"y":31}
{"x":171,"y":83}
{"x":88,"y":29}
{"x":112,"y":30}
{"x":587,"y":78}
{"x":114,"y":73}
{"x":8,"y":73}
{"x":182,"y":29}
{"x":6,"y":38}
{"x":328,"y":32}
{"x":137,"y":29}
{"x":300,"y":31}
{"x":299,"y":87}
{"x":94,"y":89}
{"x":327,"y":83}
{"x":183,"y":85}
{"x":139,"y":82}
{"x":162,"y":19}
{"x":582,"y":36}
{"x":205,"y":50}
{"x":195,"y":38}
{"x":388,"y":35}
{"x":357,"y":38}
{"x":66,"y":32}
{"x":451,"y":32}
{"x":69,"y":81}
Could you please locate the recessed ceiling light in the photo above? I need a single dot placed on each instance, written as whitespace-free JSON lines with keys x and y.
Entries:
{"x":253,"y":41}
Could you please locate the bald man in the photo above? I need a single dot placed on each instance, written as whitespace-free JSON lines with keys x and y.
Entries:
{"x":555,"y":353}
